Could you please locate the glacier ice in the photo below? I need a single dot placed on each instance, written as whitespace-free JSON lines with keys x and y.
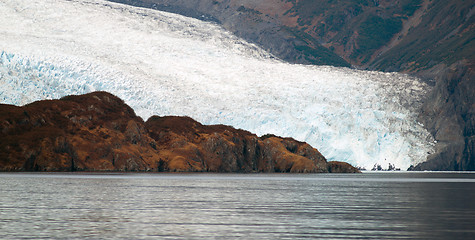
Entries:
{"x":167,"y":64}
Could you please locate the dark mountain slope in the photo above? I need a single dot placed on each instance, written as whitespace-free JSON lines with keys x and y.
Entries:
{"x":449,"y":114}
{"x":441,"y":33}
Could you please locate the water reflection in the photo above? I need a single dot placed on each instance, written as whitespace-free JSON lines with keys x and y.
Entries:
{"x":197,"y":206}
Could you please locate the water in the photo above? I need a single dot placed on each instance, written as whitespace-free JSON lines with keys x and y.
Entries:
{"x":250,"y":206}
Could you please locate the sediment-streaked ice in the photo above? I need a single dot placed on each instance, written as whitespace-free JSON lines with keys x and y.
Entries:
{"x":166,"y":64}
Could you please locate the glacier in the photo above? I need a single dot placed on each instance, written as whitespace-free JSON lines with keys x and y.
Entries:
{"x":166,"y":64}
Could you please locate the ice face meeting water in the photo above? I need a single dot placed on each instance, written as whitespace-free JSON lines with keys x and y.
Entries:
{"x":166,"y":64}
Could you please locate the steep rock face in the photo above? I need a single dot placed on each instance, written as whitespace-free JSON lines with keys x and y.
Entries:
{"x":449,"y":114}
{"x":99,"y":132}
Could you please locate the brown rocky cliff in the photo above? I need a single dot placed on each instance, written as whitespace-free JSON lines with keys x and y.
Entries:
{"x":186,"y":145}
{"x":95,"y":131}
{"x":341,"y":167}
{"x":99,"y":132}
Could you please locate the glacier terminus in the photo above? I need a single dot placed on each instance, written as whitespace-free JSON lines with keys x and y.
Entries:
{"x":166,"y":64}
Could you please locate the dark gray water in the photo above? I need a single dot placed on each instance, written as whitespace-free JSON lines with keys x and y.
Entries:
{"x":249,"y":206}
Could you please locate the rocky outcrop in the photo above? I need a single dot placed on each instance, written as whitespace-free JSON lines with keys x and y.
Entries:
{"x":93,"y":132}
{"x":186,"y":145}
{"x":341,"y":167}
{"x":449,"y":114}
{"x":99,"y":132}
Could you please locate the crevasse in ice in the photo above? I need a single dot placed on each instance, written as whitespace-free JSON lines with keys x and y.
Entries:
{"x":166,"y":64}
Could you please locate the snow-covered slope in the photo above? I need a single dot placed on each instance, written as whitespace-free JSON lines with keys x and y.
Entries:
{"x":166,"y":64}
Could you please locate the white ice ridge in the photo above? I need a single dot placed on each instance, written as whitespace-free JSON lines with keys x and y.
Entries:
{"x":166,"y":64}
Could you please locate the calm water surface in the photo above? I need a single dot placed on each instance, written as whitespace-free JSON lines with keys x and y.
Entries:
{"x":229,"y":206}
